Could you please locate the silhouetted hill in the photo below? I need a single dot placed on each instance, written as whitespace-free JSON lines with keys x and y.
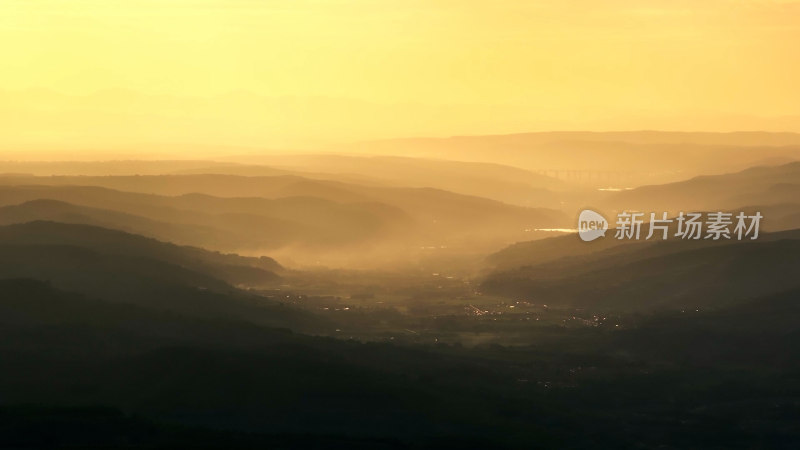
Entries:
{"x":772,"y":191}
{"x":532,"y":253}
{"x":117,"y":267}
{"x":762,"y":331}
{"x":115,"y":242}
{"x":235,"y":376}
{"x":552,"y":251}
{"x":229,"y":186}
{"x":221,"y":223}
{"x":495,"y":181}
{"x":393,"y":221}
{"x":183,"y":382}
{"x":122,"y":167}
{"x":766,"y":185}
{"x":58,"y":211}
{"x":659,"y":275}
{"x":28,"y":304}
{"x":211,"y":184}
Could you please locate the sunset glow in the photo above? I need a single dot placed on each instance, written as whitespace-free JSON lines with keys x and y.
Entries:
{"x":292,"y":74}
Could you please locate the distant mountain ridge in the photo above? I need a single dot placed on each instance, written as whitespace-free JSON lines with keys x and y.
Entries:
{"x":762,"y":185}
{"x":620,"y":159}
{"x":258,"y":214}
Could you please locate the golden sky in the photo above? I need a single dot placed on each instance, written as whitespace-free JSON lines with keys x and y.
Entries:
{"x":295,"y":72}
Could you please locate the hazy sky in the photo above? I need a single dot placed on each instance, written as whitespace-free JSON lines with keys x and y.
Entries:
{"x":357,"y":68}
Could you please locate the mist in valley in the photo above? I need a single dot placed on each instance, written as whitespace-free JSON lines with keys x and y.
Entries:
{"x":421,"y":225}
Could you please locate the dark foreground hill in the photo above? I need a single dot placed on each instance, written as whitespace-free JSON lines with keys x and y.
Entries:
{"x":80,"y":372}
